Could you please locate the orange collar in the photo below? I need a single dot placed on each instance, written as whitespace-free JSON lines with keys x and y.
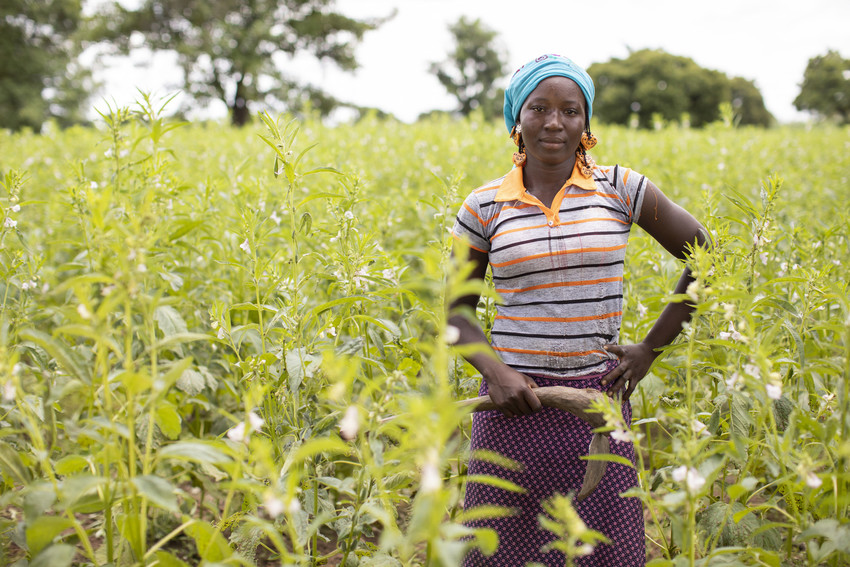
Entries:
{"x":512,"y":188}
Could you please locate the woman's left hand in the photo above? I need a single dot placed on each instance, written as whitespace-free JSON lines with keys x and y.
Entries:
{"x":635,"y":361}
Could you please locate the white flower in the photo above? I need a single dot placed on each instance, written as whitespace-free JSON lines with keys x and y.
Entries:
{"x":452,"y":334}
{"x":255,"y":421}
{"x":142,"y":268}
{"x":622,"y":435}
{"x":83,"y":311}
{"x":752,"y":370}
{"x":585,"y":549}
{"x":274,"y":506}
{"x":733,"y":380}
{"x":26,"y":286}
{"x":642,"y":310}
{"x":431,"y":480}
{"x":9,"y":391}
{"x":294,"y":506}
{"x":763,"y":257}
{"x":693,"y":480}
{"x":221,"y":334}
{"x":15,"y":208}
{"x":93,"y":185}
{"x":274,"y":216}
{"x":349,"y":215}
{"x":813,"y":481}
{"x":10,"y":222}
{"x":350,"y":423}
{"x":699,"y":427}
{"x":693,"y":291}
{"x":108,"y":153}
{"x":237,"y":432}
{"x":774,"y":391}
{"x":246,"y":246}
{"x":388,"y":274}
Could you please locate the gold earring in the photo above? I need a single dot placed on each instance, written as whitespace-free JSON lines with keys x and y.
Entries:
{"x":588,"y":140}
{"x":585,"y":162}
{"x":516,"y":136}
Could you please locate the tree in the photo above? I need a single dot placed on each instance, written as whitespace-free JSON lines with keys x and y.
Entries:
{"x":652,"y":82}
{"x":235,"y":50}
{"x":471,"y":70}
{"x":826,"y":87}
{"x":38,"y":77}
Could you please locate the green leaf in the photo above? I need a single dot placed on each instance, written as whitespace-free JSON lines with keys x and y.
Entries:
{"x":12,"y":466}
{"x":64,"y":356}
{"x":70,"y":464}
{"x":210,"y":543}
{"x":168,"y":420}
{"x":41,"y":532}
{"x":165,"y":559}
{"x":55,"y":556}
{"x":196,"y":451}
{"x":169,"y":320}
{"x":610,"y":457}
{"x":495,"y":482}
{"x":322,"y":445}
{"x":157,"y":490}
{"x":192,"y":382}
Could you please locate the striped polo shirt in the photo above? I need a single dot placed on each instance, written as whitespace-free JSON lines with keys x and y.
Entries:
{"x":558,"y":270}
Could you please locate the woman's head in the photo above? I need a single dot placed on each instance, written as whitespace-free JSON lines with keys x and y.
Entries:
{"x":529,"y":76}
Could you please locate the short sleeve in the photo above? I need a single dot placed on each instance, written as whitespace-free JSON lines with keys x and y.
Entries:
{"x":631,"y":187}
{"x":469,"y":225}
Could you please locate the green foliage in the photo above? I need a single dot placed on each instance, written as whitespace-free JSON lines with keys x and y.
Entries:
{"x":232,"y":50}
{"x":652,"y":85}
{"x":826,"y":87}
{"x":472,"y":69}
{"x":38,"y":78}
{"x":203,"y":329}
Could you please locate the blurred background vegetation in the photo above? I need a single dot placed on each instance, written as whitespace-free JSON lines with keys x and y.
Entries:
{"x":237,"y":52}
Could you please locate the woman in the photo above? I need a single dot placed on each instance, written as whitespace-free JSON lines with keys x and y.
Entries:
{"x":554,"y":231}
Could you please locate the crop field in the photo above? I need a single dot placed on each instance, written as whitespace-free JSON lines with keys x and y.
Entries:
{"x":203,"y":329}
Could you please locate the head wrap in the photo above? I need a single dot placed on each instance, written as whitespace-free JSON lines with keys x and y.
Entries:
{"x":529,"y":76}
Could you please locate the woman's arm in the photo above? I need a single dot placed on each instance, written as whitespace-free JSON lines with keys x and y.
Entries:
{"x":676,"y":230}
{"x":510,"y":390}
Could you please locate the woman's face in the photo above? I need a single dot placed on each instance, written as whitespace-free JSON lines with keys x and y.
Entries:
{"x":552,"y":120}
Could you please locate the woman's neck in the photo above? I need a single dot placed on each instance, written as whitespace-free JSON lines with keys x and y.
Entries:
{"x":544,"y":181}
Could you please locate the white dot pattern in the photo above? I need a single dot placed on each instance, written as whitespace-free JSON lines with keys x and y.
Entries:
{"x":549,"y":444}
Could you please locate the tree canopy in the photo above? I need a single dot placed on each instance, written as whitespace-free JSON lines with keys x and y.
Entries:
{"x":39,"y":78}
{"x":652,"y":83}
{"x":472,"y":68}
{"x":236,"y":50}
{"x":826,"y":87}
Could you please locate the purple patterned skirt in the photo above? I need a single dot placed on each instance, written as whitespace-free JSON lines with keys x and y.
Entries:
{"x":548,"y":444}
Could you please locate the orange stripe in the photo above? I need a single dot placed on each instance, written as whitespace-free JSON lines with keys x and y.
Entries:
{"x":459,"y":239}
{"x":520,"y":229}
{"x":482,"y":221}
{"x":600,"y":219}
{"x":559,"y":284}
{"x":550,"y":353}
{"x":563,"y":319}
{"x":547,"y":254}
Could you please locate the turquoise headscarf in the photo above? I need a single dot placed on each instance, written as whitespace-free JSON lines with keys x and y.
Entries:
{"x":529,"y":76}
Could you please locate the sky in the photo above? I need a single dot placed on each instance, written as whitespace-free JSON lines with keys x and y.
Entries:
{"x":767,"y":41}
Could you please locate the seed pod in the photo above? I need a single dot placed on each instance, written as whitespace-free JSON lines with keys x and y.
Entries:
{"x":578,"y":402}
{"x":599,"y":445}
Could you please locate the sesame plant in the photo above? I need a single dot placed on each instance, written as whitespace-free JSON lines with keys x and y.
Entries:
{"x":225,"y":346}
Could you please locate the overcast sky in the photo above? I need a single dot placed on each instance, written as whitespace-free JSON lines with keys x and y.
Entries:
{"x":768,"y":41}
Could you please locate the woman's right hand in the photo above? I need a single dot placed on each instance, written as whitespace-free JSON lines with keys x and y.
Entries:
{"x":512,"y":393}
